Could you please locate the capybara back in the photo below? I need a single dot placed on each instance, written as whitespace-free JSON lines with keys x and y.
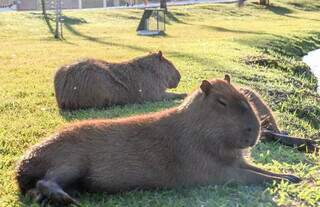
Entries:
{"x":96,"y":83}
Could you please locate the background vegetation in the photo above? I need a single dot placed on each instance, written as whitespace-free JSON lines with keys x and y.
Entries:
{"x":259,"y":46}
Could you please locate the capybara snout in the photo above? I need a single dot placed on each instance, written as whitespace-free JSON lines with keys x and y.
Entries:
{"x":174,"y":81}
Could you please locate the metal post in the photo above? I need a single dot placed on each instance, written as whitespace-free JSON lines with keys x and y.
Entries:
{"x":164,"y":21}
{"x":158,"y":20}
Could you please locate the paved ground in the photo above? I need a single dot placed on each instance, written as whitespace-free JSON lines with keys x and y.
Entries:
{"x":175,"y":3}
{"x":150,"y":5}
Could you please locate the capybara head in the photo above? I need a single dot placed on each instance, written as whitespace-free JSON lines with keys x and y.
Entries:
{"x":229,"y":113}
{"x":164,"y":68}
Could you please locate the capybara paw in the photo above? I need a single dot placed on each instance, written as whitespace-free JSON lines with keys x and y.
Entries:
{"x":51,"y":193}
{"x":61,"y":197}
{"x":56,"y":199}
{"x":312,"y":143}
{"x":292,"y":178}
{"x":32,"y":194}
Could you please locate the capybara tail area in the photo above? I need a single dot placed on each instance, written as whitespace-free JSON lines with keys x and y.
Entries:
{"x":27,"y":175}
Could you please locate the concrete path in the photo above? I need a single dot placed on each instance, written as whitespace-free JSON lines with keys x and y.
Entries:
{"x":150,"y":5}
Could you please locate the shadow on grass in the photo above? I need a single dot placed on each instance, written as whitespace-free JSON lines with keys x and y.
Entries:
{"x":172,"y":17}
{"x":118,"y":15}
{"x":71,"y":29}
{"x":294,"y":46}
{"x":310,"y":6}
{"x":215,"y":195}
{"x":279,"y":10}
{"x":118,"y":111}
{"x":223,"y":29}
{"x":47,"y":18}
{"x":69,"y":23}
{"x":211,"y":195}
{"x":284,"y":11}
{"x":232,"y":12}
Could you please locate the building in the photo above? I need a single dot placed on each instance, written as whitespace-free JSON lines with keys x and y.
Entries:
{"x":6,"y":3}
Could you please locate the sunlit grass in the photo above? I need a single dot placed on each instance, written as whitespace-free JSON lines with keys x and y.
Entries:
{"x":203,"y":41}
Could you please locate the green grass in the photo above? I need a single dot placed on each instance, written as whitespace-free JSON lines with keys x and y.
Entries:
{"x":203,"y":41}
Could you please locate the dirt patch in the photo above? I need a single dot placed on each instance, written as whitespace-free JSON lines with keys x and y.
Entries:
{"x":278,"y":96}
{"x":261,"y":60}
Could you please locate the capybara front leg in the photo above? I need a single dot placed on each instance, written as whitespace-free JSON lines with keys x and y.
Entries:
{"x":247,"y":177}
{"x":170,"y":96}
{"x":288,"y":177}
{"x":51,"y":192}
{"x":50,"y":188}
{"x":304,"y":145}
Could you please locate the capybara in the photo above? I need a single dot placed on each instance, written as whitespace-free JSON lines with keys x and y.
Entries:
{"x":270,"y":129}
{"x":97,"y":83}
{"x":200,"y":142}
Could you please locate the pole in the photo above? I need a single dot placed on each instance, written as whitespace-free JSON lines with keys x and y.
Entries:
{"x":163,"y":4}
{"x":43,"y":6}
{"x":57,"y":34}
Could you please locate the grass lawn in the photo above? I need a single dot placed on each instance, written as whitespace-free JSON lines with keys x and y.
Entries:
{"x":260,"y":47}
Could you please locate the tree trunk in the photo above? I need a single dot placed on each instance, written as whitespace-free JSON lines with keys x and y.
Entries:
{"x":264,"y":2}
{"x":163,"y":4}
{"x":58,"y":19}
{"x":43,"y":5}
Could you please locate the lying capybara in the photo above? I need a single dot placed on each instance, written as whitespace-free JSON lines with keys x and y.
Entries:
{"x":96,"y":83}
{"x":200,"y":142}
{"x":270,"y":128}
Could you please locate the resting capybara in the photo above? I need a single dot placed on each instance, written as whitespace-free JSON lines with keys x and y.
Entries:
{"x":200,"y":142}
{"x":96,"y":83}
{"x":270,"y":129}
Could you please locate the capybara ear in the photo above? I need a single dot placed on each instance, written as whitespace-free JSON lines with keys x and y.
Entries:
{"x":206,"y":86}
{"x":160,"y":54}
{"x":227,"y":78}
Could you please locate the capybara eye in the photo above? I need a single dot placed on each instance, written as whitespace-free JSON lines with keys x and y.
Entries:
{"x":222,"y":102}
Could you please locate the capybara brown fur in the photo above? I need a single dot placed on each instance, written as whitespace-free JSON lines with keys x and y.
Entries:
{"x":262,"y":109}
{"x":270,"y":128}
{"x":97,"y":83}
{"x":200,"y":142}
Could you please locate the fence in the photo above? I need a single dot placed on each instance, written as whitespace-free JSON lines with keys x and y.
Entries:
{"x":6,"y":3}
{"x":74,"y":4}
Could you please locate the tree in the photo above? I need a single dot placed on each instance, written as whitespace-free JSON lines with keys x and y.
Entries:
{"x":58,"y":32}
{"x":43,"y":6}
{"x":264,"y":2}
{"x":163,"y":4}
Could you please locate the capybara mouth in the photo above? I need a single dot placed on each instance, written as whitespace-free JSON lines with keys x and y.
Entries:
{"x":253,"y":143}
{"x":174,"y":85}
